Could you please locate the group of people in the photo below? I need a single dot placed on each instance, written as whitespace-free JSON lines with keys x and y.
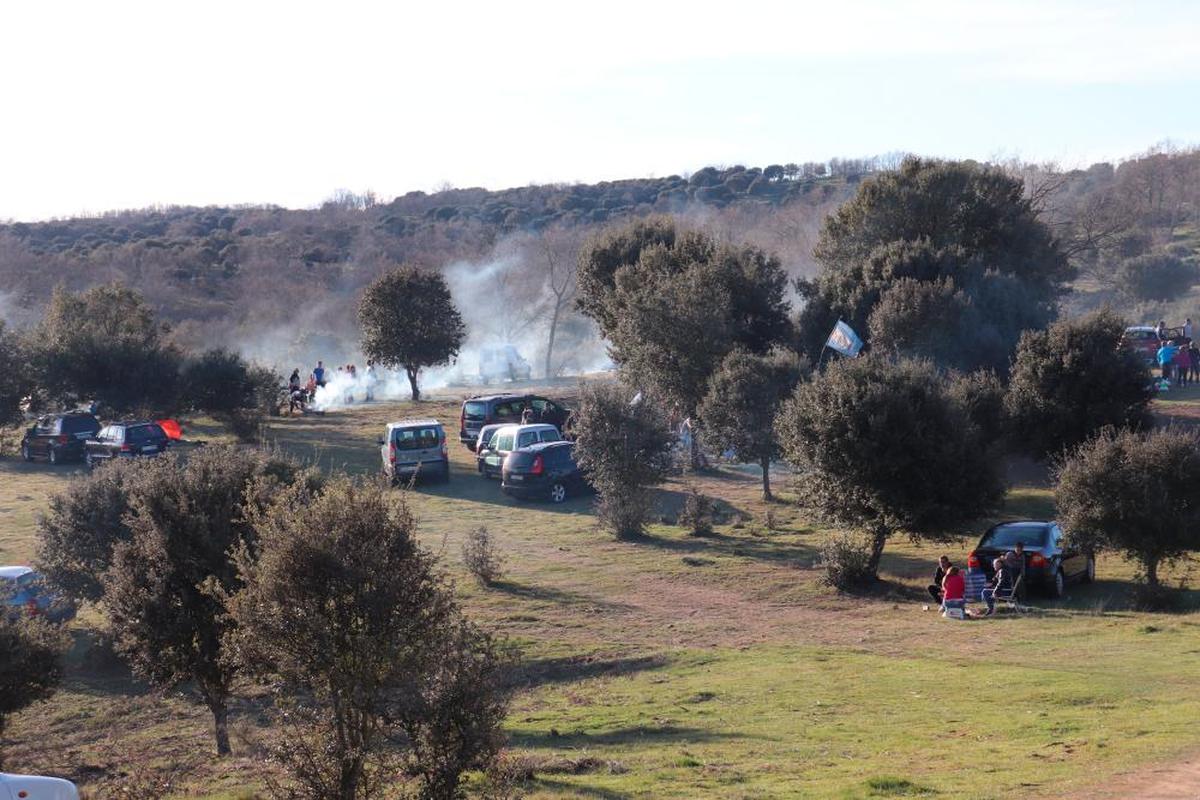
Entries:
{"x":301,"y":394}
{"x":949,"y":587}
{"x":1178,"y":356}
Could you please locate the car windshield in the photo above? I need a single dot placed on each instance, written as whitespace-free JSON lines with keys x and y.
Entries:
{"x":415,"y":438}
{"x":1030,"y":535}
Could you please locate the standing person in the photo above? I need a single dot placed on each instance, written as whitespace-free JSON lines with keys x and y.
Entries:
{"x":1187,"y":329}
{"x":310,"y":388}
{"x":371,"y":378}
{"x":1183,"y":364}
{"x":294,"y":381}
{"x":319,"y":373}
{"x":1166,"y":357}
{"x":939,"y":575}
{"x":1015,"y":558}
{"x":1194,"y":352}
{"x":1161,"y":330}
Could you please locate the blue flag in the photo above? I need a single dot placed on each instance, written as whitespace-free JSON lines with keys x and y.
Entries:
{"x":844,"y":340}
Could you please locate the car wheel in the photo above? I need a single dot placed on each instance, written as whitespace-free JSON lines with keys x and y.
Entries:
{"x":1089,"y":574}
{"x":54,"y":456}
{"x":558,"y":493}
{"x":1060,"y":584}
{"x":25,"y":454}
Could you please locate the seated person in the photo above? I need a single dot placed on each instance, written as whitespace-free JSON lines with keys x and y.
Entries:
{"x":954,"y":587}
{"x":1001,"y":584}
{"x":935,"y":588}
{"x":297,"y":399}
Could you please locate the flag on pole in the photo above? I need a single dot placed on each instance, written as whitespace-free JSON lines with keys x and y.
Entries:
{"x":844,"y":340}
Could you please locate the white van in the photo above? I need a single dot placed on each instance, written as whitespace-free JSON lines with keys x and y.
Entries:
{"x":513,"y":437}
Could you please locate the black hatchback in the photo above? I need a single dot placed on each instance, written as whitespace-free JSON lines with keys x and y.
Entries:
{"x":59,"y":437}
{"x":544,"y":471}
{"x":126,"y":440}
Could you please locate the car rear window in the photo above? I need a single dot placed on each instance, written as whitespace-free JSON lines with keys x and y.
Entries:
{"x":1009,"y":535}
{"x":475,"y":409}
{"x":144,"y":433}
{"x":415,"y":438}
{"x":520,"y":459}
{"x":79,"y":425}
{"x":502,"y":441}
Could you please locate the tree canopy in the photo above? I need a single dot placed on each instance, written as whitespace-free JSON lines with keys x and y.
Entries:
{"x":409,"y":320}
{"x":959,"y":225}
{"x":1070,"y":380}
{"x":882,"y":446}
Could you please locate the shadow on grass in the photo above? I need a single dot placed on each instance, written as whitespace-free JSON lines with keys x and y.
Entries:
{"x":575,"y":790}
{"x":653,"y":735}
{"x":765,"y":549}
{"x":568,"y":669}
{"x":558,"y":596}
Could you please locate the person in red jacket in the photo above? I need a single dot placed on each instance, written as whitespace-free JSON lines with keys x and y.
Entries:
{"x":954,"y":588}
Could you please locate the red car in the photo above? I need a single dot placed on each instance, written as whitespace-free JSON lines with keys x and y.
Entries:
{"x":1142,"y":340}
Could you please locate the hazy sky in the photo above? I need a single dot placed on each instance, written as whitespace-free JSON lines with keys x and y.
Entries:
{"x":120,"y":104}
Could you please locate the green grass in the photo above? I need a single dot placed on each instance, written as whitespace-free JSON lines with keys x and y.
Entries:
{"x":681,"y":667}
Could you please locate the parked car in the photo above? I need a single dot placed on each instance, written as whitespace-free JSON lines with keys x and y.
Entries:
{"x":505,"y":409}
{"x":59,"y":437}
{"x":503,"y":363}
{"x":35,"y":787}
{"x":543,"y":471}
{"x":485,"y":436}
{"x":23,"y":590}
{"x":1049,"y":563}
{"x":514,"y":437}
{"x":125,"y":440}
{"x":1142,"y":340}
{"x":415,"y":447}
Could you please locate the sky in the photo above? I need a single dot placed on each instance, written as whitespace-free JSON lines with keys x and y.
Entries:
{"x":114,"y":105}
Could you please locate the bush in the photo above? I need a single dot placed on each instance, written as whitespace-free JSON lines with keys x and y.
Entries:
{"x":221,"y":382}
{"x":697,"y":513}
{"x":846,"y":560}
{"x":1071,"y":380}
{"x":1155,"y":276}
{"x":625,"y":446}
{"x":481,"y":557}
{"x":31,"y":652}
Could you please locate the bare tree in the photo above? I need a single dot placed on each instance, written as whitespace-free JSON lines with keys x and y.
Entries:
{"x":558,"y":249}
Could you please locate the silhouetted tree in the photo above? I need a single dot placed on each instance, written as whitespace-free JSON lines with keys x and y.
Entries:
{"x":409,"y":320}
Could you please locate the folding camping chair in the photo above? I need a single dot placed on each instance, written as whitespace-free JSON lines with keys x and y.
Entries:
{"x":1011,"y":597}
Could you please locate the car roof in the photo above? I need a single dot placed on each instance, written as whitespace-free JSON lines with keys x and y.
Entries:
{"x":490,"y":397}
{"x":133,"y":423}
{"x":540,"y":446}
{"x":531,"y":426}
{"x":1011,"y":522}
{"x":412,"y":423}
{"x":12,"y":573}
{"x":1149,"y":328}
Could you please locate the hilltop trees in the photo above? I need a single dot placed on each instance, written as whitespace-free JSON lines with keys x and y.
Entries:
{"x":409,"y":320}
{"x":31,"y":651}
{"x":1135,"y":494}
{"x":104,"y":344}
{"x":743,"y":396}
{"x":349,"y":614}
{"x":965,"y":228}
{"x":1072,"y":379}
{"x":881,"y":446}
{"x":673,"y":303}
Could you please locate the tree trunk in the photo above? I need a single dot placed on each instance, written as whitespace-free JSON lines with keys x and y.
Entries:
{"x":766,"y":468}
{"x":220,"y":725}
{"x":1152,"y":572}
{"x":550,"y":340}
{"x":412,"y":382}
{"x":879,"y":537}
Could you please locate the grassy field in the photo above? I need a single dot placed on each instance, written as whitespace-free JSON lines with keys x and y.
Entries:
{"x":676,"y":666}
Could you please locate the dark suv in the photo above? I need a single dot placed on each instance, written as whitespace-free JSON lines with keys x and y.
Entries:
{"x":506,"y":409}
{"x":126,"y":440}
{"x":543,"y":471}
{"x":59,"y":437}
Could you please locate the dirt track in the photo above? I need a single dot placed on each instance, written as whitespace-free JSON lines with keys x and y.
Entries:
{"x":1177,"y":781}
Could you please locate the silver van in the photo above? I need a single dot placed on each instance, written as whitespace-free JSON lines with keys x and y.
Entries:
{"x":415,"y":447}
{"x":513,"y":437}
